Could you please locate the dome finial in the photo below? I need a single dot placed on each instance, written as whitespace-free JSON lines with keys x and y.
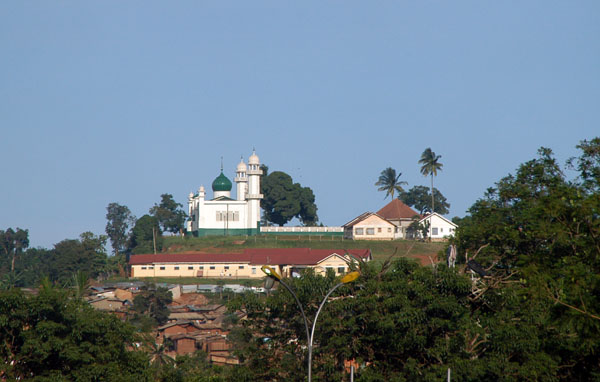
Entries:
{"x":221,"y":163}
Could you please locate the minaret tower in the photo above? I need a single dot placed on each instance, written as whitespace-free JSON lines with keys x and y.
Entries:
{"x":241,"y":180}
{"x":254,"y":196}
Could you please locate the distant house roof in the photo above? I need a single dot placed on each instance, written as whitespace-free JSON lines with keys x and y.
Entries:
{"x":365,"y":216}
{"x":429,"y":216}
{"x":395,"y":210}
{"x":253,"y":256}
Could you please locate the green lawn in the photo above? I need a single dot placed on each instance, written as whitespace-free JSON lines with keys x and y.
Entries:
{"x":222,"y":244}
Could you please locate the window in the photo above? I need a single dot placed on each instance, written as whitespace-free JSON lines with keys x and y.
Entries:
{"x":190,"y":268}
{"x":212,"y":267}
{"x":253,"y":271}
{"x":379,"y":230}
{"x":434,"y":231}
{"x":442,"y":229}
{"x":241,"y":267}
{"x":226,"y":267}
{"x":151,"y":267}
{"x":201,"y":267}
{"x":359,"y":231}
{"x":370,"y":231}
{"x":341,"y":270}
{"x":390,"y":230}
{"x":176,"y":268}
{"x":143,"y":267}
{"x":162,"y":268}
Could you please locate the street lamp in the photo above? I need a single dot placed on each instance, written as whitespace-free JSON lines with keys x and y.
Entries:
{"x":274,"y":276}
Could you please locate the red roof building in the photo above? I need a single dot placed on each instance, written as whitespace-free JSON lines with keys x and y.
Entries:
{"x":246,"y":264}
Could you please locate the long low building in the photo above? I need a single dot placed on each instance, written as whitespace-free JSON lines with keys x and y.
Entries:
{"x":286,"y":261}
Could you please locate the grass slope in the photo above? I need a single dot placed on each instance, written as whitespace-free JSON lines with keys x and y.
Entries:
{"x":381,"y":250}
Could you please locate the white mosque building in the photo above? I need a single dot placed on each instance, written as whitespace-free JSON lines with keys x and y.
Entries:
{"x":223,"y":215}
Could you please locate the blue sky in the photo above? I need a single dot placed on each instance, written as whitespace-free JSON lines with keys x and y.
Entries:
{"x":118,"y":101}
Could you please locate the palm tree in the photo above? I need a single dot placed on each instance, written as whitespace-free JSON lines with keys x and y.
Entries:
{"x":389,"y":182}
{"x":430,"y":166}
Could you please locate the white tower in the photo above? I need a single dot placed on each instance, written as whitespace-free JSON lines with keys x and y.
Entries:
{"x":254,"y":196}
{"x":241,"y":180}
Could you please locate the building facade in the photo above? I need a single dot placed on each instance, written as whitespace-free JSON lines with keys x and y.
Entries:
{"x":286,"y":261}
{"x":369,"y":226}
{"x":223,"y":215}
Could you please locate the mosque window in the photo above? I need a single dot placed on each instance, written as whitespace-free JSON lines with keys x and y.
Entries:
{"x":359,"y":231}
{"x":370,"y":231}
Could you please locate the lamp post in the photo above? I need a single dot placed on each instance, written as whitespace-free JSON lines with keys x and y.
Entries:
{"x":273,"y":275}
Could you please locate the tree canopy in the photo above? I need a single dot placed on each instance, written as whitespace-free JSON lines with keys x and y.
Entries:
{"x":12,"y":244}
{"x":53,"y":337}
{"x":283,"y":200}
{"x":119,"y":221}
{"x":419,"y":197}
{"x":145,"y":234}
{"x":169,"y":214}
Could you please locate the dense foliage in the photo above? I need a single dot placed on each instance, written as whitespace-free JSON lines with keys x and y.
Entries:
{"x":119,"y":221}
{"x":419,"y":197}
{"x":146,"y":236}
{"x":169,"y":213}
{"x":53,"y":337}
{"x":283,"y":200}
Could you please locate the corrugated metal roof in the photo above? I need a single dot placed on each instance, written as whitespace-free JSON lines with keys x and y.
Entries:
{"x":254,"y":256}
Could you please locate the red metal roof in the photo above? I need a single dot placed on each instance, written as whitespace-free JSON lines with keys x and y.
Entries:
{"x":396,"y":210}
{"x":255,"y":256}
{"x":190,"y":258}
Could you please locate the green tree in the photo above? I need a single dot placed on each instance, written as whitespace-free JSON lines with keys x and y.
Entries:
{"x":169,"y":214}
{"x":86,"y":254}
{"x":12,"y":244}
{"x":120,"y":220}
{"x":390,"y":182}
{"x":542,"y":229}
{"x":52,"y":337}
{"x":145,"y":235}
{"x":308,"y":208}
{"x":430,"y":165}
{"x":283,"y":200}
{"x":419,"y":197}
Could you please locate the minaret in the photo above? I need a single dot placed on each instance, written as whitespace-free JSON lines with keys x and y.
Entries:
{"x":254,"y":196}
{"x":241,"y":180}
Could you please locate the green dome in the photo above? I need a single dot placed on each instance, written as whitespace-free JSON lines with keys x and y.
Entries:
{"x":221,"y":183}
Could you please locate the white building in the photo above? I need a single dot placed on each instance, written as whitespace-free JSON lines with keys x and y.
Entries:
{"x":440,"y":228}
{"x":223,"y":215}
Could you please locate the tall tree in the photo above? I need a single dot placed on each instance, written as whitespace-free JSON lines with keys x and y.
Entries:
{"x":390,"y":182}
{"x":419,"y":197}
{"x":283,"y":200}
{"x":86,"y":254}
{"x":169,"y":214}
{"x":146,"y":235}
{"x":430,"y":165}
{"x":12,"y":244}
{"x":120,"y":220}
{"x":308,"y":208}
